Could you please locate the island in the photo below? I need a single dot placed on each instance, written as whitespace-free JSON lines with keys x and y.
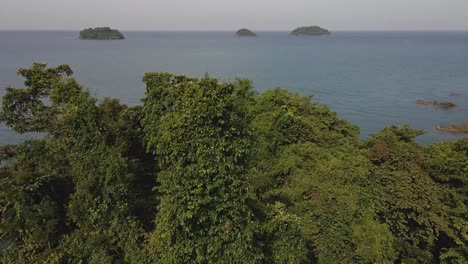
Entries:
{"x":245,"y":33}
{"x":310,"y":31}
{"x":101,"y":33}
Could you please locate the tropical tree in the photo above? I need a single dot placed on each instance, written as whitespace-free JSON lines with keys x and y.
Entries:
{"x":198,"y":130}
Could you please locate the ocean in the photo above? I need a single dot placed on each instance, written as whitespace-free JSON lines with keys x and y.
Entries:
{"x":371,"y":79}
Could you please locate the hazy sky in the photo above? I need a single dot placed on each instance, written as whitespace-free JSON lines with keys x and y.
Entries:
{"x":234,"y":14}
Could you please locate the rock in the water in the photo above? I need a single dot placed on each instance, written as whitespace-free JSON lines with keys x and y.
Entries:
{"x":458,"y":129}
{"x":444,"y":105}
{"x":424,"y":102}
{"x":310,"y":31}
{"x":455,"y":94}
{"x":245,"y":33}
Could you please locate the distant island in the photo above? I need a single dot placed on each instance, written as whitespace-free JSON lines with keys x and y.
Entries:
{"x":245,"y":33}
{"x":310,"y":31}
{"x":101,"y":33}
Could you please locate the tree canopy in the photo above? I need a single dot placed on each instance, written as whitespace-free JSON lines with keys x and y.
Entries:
{"x":205,"y":171}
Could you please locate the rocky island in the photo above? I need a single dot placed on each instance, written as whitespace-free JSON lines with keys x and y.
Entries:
{"x":245,"y":33}
{"x":310,"y":31}
{"x":101,"y":33}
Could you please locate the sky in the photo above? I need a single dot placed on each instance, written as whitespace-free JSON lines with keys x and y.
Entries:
{"x":234,"y":14}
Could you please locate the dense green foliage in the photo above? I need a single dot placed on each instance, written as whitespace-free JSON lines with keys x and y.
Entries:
{"x":310,"y":31}
{"x":101,"y":33}
{"x":211,"y":172}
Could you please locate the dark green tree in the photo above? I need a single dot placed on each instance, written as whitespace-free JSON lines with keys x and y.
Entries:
{"x":79,"y":181}
{"x":447,"y":163}
{"x":198,"y":129}
{"x":308,"y":162}
{"x":406,"y":198}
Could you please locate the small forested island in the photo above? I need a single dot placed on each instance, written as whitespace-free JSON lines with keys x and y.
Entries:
{"x":206,"y":171}
{"x":245,"y":33}
{"x":310,"y":31}
{"x":101,"y":33}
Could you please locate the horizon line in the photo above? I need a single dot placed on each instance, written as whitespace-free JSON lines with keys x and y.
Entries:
{"x":234,"y":30}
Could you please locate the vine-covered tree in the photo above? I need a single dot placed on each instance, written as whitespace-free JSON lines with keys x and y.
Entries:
{"x":73,"y":195}
{"x":198,"y":130}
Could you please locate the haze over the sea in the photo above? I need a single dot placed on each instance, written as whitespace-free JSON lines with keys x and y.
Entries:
{"x":231,"y":15}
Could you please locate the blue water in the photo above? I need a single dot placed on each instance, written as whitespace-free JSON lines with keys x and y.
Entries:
{"x":371,"y":79}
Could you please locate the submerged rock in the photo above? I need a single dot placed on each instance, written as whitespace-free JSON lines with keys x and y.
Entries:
{"x":444,"y":105}
{"x":458,"y":129}
{"x":452,"y":94}
{"x":424,"y":102}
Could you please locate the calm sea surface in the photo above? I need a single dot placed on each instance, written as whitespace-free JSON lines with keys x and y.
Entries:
{"x":372,"y":79}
